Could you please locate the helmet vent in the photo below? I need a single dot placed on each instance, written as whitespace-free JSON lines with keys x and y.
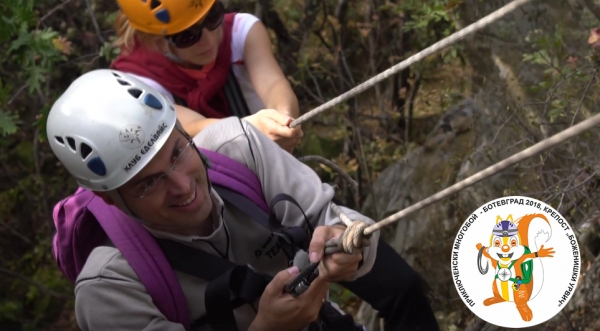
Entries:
{"x":154,"y":4}
{"x":71,"y":142}
{"x":59,"y":140}
{"x":135,"y":92}
{"x":122,"y":82}
{"x":152,"y":102}
{"x":97,"y":166}
{"x":85,"y":150}
{"x":116,"y":75}
{"x":163,"y":16}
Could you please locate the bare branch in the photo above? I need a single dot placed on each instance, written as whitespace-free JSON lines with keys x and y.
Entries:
{"x":52,"y":11}
{"x":94,"y":21}
{"x":36,"y":284}
{"x":333,"y":166}
{"x":592,"y":7}
{"x":583,"y":96}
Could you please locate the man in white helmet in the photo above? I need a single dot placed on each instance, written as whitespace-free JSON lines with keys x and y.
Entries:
{"x":120,"y":139}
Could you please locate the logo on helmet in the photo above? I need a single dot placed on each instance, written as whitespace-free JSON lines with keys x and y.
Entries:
{"x":132,"y":136}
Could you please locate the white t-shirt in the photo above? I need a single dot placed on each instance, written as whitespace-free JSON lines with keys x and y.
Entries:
{"x":242,"y":24}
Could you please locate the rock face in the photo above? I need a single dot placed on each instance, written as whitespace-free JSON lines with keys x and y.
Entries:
{"x":504,"y":115}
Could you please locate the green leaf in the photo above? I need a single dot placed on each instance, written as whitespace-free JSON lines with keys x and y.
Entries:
{"x":36,"y":77}
{"x":23,"y":40}
{"x":8,"y":123}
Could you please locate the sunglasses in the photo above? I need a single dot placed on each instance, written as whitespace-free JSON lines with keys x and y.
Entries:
{"x":191,"y":35}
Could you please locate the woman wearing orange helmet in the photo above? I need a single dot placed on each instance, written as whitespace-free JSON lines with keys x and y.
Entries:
{"x":191,"y":49}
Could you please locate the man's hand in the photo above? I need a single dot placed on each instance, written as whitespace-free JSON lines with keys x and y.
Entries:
{"x":276,"y":126}
{"x":281,"y":311}
{"x":336,"y":267}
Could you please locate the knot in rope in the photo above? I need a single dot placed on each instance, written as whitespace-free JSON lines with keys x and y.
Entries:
{"x":352,"y":238}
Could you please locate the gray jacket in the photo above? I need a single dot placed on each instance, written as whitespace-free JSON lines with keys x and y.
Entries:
{"x":110,"y":296}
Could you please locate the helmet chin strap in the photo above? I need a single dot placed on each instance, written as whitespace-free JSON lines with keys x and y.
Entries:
{"x":120,"y":203}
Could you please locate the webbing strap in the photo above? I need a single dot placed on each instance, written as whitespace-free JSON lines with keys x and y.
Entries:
{"x":248,"y":207}
{"x":292,"y":237}
{"x":194,"y":261}
{"x":235,"y":97}
{"x":225,"y":278}
{"x":217,"y":299}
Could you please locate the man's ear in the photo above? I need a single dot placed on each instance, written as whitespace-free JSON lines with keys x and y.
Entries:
{"x":104,"y":196}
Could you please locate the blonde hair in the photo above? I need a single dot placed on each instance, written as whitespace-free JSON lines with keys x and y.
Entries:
{"x":126,"y":36}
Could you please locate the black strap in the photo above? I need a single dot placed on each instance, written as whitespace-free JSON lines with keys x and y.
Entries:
{"x":223,"y":276}
{"x":248,"y":207}
{"x":290,"y":238}
{"x":179,"y":101}
{"x":194,"y":261}
{"x":235,"y":96}
{"x":332,"y":319}
{"x":247,"y":287}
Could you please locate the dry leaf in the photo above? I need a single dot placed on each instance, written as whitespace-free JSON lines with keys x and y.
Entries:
{"x":63,"y":45}
{"x":594,"y":38}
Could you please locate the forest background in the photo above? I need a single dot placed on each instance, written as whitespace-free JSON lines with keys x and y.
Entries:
{"x":501,"y":90}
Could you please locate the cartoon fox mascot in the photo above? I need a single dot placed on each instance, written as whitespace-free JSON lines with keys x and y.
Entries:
{"x":514,"y":254}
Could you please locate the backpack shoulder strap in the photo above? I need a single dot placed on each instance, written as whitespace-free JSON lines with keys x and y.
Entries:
{"x":145,"y":256}
{"x":240,"y":186}
{"x":235,"y":96}
{"x":73,"y":221}
{"x":229,"y":173}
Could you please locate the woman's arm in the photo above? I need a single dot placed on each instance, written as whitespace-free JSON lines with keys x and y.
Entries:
{"x":192,"y":121}
{"x":267,"y":77}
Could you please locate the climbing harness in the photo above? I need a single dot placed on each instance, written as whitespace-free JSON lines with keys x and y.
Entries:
{"x":459,"y":35}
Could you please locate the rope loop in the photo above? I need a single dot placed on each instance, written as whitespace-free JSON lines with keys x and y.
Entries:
{"x":352,"y":239}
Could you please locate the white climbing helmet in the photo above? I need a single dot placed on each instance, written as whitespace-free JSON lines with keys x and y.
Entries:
{"x":107,"y":126}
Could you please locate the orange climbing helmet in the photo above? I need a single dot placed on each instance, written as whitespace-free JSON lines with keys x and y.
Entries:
{"x":164,"y":17}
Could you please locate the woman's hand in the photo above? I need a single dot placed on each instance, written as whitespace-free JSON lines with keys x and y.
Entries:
{"x":276,"y":126}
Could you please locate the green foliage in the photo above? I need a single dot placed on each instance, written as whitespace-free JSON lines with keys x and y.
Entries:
{"x":561,"y":69}
{"x":34,"y":51}
{"x":424,"y":14}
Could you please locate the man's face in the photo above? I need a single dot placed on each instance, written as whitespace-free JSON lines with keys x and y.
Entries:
{"x":178,"y":202}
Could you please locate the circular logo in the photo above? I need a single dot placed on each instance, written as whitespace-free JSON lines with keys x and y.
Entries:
{"x":132,"y":136}
{"x":515,"y":262}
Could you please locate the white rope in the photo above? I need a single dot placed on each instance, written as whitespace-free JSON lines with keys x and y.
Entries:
{"x":357,"y":232}
{"x":352,"y":238}
{"x":341,"y":215}
{"x":491,"y":170}
{"x":413,"y":59}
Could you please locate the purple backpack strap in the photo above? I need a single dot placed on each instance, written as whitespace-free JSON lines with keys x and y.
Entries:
{"x":231,"y":174}
{"x":73,"y":220}
{"x":83,"y":222}
{"x":145,"y":256}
